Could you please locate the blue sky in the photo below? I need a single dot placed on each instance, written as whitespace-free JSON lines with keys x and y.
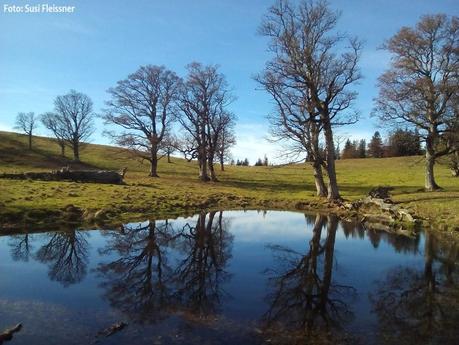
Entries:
{"x":44,"y":55}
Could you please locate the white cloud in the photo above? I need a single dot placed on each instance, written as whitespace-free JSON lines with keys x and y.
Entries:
{"x":252,"y":142}
{"x":5,"y":127}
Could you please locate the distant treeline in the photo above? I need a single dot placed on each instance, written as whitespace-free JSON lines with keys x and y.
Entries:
{"x":401,"y":142}
{"x":245,"y":162}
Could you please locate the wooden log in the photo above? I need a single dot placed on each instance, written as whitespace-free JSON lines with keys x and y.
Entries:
{"x":7,"y":334}
{"x":97,"y":176}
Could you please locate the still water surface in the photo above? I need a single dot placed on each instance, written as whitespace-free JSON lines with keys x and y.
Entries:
{"x":230,"y":277}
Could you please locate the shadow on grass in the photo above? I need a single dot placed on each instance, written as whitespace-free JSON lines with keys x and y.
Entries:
{"x":268,"y":185}
{"x":428,"y":197}
{"x":18,"y":153}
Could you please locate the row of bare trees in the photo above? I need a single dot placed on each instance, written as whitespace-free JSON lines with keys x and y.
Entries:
{"x":149,"y":103}
{"x":149,"y":106}
{"x":310,"y":78}
{"x":71,"y":122}
{"x":313,"y":68}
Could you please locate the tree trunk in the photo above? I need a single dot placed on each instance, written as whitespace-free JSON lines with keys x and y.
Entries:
{"x":333,"y":191}
{"x":430,"y":184}
{"x":168,"y":157}
{"x":30,"y":141}
{"x":319,"y":180}
{"x":202,"y":154}
{"x":454,"y":165}
{"x":213,"y":177}
{"x":203,"y":176}
{"x":62,"y":145}
{"x":153,"y":162}
{"x":76,"y":151}
{"x":316,"y":158}
{"x":222,"y":167}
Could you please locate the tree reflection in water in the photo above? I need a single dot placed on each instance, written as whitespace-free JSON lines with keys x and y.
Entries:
{"x":21,"y":247}
{"x":306,"y":303}
{"x":416,"y":306}
{"x":138,"y":282}
{"x":206,"y":248}
{"x":162,"y":270}
{"x":66,"y":254}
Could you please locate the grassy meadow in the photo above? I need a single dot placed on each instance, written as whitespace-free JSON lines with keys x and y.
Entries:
{"x":178,"y":192}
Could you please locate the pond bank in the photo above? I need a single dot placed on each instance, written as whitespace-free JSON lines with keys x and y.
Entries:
{"x":109,"y":216}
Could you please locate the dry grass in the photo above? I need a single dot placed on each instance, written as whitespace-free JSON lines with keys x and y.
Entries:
{"x":178,"y":191}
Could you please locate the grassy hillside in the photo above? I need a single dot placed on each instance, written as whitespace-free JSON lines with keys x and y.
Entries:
{"x":178,"y":190}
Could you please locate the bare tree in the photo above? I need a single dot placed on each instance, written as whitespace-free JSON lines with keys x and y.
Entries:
{"x":226,"y":141}
{"x":169,"y":145}
{"x":419,"y":87}
{"x":27,"y":123}
{"x":320,"y":64}
{"x":75,"y":114}
{"x":295,"y":122}
{"x":204,"y":97}
{"x":52,"y":122}
{"x":143,"y":105}
{"x":220,"y":123}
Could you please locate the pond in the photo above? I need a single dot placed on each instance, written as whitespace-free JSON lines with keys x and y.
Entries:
{"x":230,"y":277}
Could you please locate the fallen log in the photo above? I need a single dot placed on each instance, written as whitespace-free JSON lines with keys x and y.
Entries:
{"x":97,"y":176}
{"x":116,"y":327}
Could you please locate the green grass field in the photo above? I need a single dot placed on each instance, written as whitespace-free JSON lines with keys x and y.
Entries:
{"x":178,"y":191}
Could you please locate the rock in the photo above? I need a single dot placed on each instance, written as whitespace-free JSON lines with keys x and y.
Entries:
{"x":380,"y":192}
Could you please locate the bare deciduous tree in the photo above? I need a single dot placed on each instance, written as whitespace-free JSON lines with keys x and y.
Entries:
{"x":419,"y":87}
{"x":310,"y":57}
{"x":204,"y":97}
{"x":295,"y":122}
{"x":143,"y":105}
{"x":169,"y":145}
{"x":27,"y":123}
{"x":75,"y":113}
{"x":52,"y":122}
{"x":226,"y":141}
{"x":220,"y":123}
